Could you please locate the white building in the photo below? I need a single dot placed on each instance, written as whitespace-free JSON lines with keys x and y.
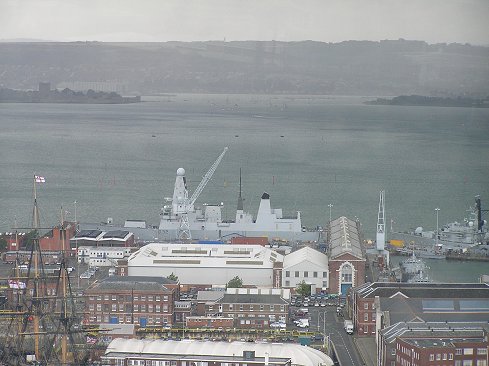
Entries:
{"x":192,"y":352}
{"x":102,"y":256}
{"x":206,"y":264}
{"x":306,"y":265}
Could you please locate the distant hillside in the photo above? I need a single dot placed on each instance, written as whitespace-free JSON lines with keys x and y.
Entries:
{"x":347,"y":68}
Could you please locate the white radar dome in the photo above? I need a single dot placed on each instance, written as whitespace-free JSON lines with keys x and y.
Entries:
{"x":181,"y":172}
{"x":419,"y":230}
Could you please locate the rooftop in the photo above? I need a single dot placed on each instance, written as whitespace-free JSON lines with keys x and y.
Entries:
{"x":188,"y":349}
{"x":424,"y":290}
{"x":139,"y":283}
{"x":306,"y":254}
{"x":344,"y":238}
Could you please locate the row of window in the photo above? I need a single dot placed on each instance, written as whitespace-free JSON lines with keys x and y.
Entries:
{"x":129,"y":298}
{"x":271,"y":307}
{"x":440,"y":356}
{"x":128,"y":308}
{"x":306,"y":274}
{"x":324,"y":284}
{"x":470,"y":351}
{"x":128,"y":319}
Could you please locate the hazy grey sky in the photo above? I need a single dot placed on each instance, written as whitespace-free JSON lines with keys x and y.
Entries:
{"x":286,"y":20}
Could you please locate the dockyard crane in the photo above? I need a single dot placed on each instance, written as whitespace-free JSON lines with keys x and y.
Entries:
{"x":184,"y":227}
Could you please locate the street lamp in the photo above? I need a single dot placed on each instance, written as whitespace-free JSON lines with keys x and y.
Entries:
{"x":436,"y":232}
{"x":330,"y":207}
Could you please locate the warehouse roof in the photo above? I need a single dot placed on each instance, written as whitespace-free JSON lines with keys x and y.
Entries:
{"x":298,"y":354}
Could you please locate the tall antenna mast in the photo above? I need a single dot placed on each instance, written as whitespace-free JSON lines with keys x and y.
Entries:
{"x":35,"y":210}
{"x":240,"y":198}
{"x":380,"y":239}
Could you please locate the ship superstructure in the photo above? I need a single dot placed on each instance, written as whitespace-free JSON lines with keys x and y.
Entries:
{"x":206,"y":223}
{"x":456,"y":235}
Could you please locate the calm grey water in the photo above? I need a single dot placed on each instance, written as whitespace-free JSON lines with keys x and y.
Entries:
{"x":120,"y":160}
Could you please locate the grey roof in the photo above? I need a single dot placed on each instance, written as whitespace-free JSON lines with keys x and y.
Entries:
{"x":424,"y":290}
{"x":401,"y":309}
{"x":438,"y":330}
{"x":344,"y":238}
{"x":116,"y":234}
{"x":139,"y":283}
{"x":203,"y":296}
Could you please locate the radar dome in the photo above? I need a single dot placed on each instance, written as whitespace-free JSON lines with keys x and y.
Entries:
{"x":419,"y":230}
{"x":181,"y":172}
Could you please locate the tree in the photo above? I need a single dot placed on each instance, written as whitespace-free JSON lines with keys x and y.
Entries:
{"x":3,"y":244}
{"x":303,"y":289}
{"x":236,"y":282}
{"x":173,"y":277}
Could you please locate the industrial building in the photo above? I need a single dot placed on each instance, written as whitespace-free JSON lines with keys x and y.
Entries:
{"x":208,"y":264}
{"x":346,"y":255}
{"x":192,"y":352}
{"x":308,"y":265}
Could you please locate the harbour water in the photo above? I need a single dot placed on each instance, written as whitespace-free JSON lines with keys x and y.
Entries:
{"x":120,"y":161}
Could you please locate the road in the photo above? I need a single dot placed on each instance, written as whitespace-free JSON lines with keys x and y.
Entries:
{"x":325,"y":320}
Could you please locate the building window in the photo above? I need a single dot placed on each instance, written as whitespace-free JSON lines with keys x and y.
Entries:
{"x":306,"y":274}
{"x":272,"y":307}
{"x":287,"y":283}
{"x":432,"y":357}
{"x":450,"y":356}
{"x":314,"y":274}
{"x":296,"y":273}
{"x":230,"y":307}
{"x":287,"y":273}
{"x":150,"y":298}
{"x":114,"y":307}
{"x":347,"y":273}
{"x":325,"y":274}
{"x":468,"y":351}
{"x":444,"y":357}
{"x":365,"y":306}
{"x":458,"y":351}
{"x":158,"y":298}
{"x":438,"y":356}
{"x":262,"y":307}
{"x":481,"y":362}
{"x":482,"y":351}
{"x":365,"y":317}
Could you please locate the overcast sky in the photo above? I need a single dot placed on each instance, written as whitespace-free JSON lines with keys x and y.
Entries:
{"x":285,"y":20}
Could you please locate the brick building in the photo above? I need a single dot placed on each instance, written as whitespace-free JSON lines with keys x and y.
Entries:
{"x":57,"y":237}
{"x":375,"y":306}
{"x":346,"y":255}
{"x":250,"y":308}
{"x":434,"y":344}
{"x":131,"y":300}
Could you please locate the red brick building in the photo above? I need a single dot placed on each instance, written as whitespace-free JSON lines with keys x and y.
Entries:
{"x":346,"y":256}
{"x":131,"y":300}
{"x":57,"y":237}
{"x":434,"y":344}
{"x":250,"y":308}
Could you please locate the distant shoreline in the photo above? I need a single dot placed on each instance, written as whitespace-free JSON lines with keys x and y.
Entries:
{"x":420,"y":100}
{"x":46,"y":95}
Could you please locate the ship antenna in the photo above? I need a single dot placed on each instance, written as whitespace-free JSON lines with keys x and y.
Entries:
{"x":240,"y":199}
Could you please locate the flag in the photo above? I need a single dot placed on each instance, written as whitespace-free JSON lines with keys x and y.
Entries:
{"x":39,"y":179}
{"x":91,"y":340}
